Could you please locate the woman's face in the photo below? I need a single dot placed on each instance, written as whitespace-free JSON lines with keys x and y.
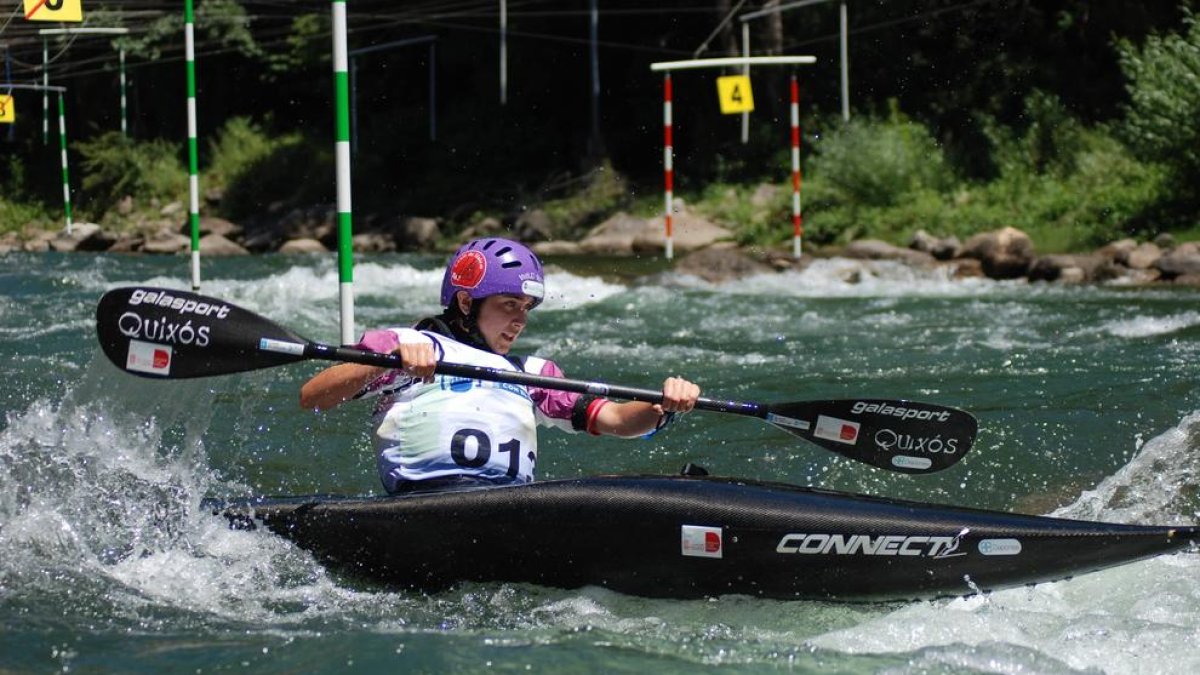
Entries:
{"x":501,"y":319}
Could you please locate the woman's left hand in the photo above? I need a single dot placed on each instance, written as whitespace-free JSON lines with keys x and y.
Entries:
{"x":679,"y":395}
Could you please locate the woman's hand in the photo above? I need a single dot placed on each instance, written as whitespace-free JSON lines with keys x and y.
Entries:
{"x":679,"y":395}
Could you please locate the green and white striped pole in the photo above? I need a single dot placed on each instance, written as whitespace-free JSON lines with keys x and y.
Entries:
{"x":341,"y":95}
{"x":193,"y":160}
{"x":62,"y":146}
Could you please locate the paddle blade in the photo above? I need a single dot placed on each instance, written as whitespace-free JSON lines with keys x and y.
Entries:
{"x":903,"y":436}
{"x":165,"y":333}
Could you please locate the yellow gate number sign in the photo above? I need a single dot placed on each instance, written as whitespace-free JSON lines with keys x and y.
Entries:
{"x":54,"y":10}
{"x":8,"y":109}
{"x":735,"y":95}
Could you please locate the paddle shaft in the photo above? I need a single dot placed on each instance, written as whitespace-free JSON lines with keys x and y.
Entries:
{"x":314,"y":350}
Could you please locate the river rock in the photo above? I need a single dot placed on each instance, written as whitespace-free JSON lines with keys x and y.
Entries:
{"x":614,"y":236}
{"x":416,"y":233}
{"x":874,"y":249}
{"x":213,"y":225}
{"x":166,"y":242}
{"x":1075,"y":268}
{"x":373,"y":242}
{"x":941,"y":248}
{"x":1142,"y":257}
{"x":557,"y":247}
{"x":720,"y":263}
{"x":1180,"y":262}
{"x":217,"y":245}
{"x":83,"y":237}
{"x":533,"y":225}
{"x":302,"y":246}
{"x":691,"y":232}
{"x":1004,"y":254}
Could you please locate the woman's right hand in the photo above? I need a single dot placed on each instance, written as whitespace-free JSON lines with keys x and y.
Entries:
{"x":419,"y":359}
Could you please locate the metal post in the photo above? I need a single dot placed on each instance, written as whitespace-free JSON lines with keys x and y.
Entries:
{"x":503,"y":52}
{"x":746,"y":72}
{"x":189,"y":35}
{"x":594,"y":31}
{"x":845,"y":22}
{"x":341,"y":94}
{"x":433,"y":91}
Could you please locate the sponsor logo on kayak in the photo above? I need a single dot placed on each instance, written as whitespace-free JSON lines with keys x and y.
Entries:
{"x":894,"y":441}
{"x":146,"y":357}
{"x":181,"y":305}
{"x":836,"y":429}
{"x":1000,"y":546}
{"x":132,"y":325}
{"x":864,"y":544}
{"x":698,"y":541}
{"x":904,"y":413}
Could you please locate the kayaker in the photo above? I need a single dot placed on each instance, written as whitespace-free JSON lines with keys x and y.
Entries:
{"x":433,"y":432}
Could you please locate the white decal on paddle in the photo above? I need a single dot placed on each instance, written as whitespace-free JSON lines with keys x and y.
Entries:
{"x":785,"y":421}
{"x":836,"y":429}
{"x":700,"y":542}
{"x":281,"y":347}
{"x":147,"y":357}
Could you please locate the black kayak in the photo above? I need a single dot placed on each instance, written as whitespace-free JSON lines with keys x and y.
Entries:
{"x":692,"y":537}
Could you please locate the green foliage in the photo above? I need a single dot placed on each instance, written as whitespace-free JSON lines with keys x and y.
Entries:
{"x":115,"y":166}
{"x":237,"y":148}
{"x":288,"y":171}
{"x":1069,"y":187}
{"x":1162,"y":120}
{"x":14,"y":216}
{"x":218,"y":23}
{"x":877,"y":163}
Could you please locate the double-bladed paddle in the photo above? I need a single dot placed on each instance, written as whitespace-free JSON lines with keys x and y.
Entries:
{"x":164,"y":333}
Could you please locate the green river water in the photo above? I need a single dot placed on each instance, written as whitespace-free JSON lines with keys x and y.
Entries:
{"x":1088,"y":401}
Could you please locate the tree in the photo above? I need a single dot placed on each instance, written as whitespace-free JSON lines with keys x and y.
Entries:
{"x":1163,"y":117}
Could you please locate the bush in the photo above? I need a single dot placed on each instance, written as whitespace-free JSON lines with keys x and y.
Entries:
{"x":290,"y":172}
{"x":115,"y":166}
{"x":878,"y":163}
{"x":1162,"y":120}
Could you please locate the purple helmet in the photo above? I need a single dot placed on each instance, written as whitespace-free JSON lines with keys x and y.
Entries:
{"x":492,"y":266}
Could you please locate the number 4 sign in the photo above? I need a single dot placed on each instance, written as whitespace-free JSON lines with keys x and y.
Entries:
{"x":54,"y":10}
{"x":735,"y":95}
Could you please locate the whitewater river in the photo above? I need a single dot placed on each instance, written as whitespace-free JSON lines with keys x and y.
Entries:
{"x":1088,"y":401}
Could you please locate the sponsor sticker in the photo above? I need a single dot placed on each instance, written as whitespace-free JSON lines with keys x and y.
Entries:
{"x":1000,"y":546}
{"x":281,"y":347}
{"x":147,"y":357}
{"x":785,"y":421}
{"x":468,"y":270}
{"x":906,"y":462}
{"x":836,"y":429}
{"x":699,"y":541}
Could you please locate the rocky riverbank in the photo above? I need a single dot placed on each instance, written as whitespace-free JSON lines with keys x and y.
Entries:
{"x":705,"y":249}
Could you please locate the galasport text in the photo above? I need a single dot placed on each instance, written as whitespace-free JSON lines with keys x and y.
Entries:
{"x":903,"y":413}
{"x":168,"y":301}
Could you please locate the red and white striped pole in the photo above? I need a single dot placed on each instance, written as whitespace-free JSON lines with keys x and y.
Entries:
{"x":797,"y":217}
{"x":668,"y":162}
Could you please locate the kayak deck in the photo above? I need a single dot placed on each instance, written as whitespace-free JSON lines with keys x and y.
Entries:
{"x":690,"y":537}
